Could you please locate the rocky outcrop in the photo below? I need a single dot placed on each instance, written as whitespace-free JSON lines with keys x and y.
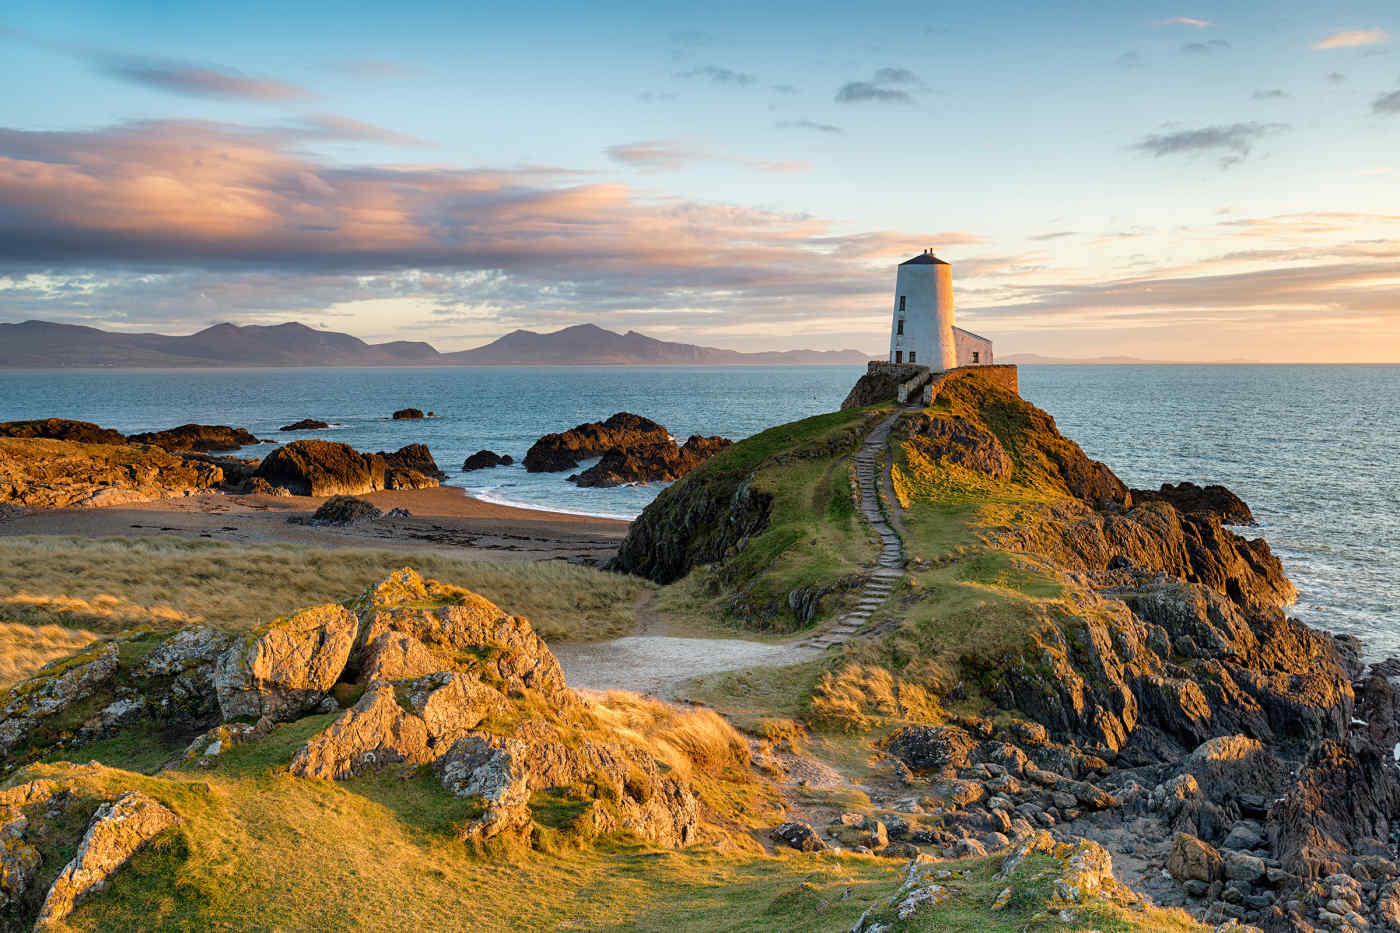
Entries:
{"x":959,"y":442}
{"x":283,"y":669}
{"x":1229,"y":508}
{"x":339,"y":511}
{"x":327,"y":468}
{"x":305,"y":424}
{"x":486,"y":460}
{"x":118,"y":831}
{"x":197,"y":437}
{"x":414,"y":458}
{"x":663,"y":462}
{"x":62,"y":429}
{"x":57,"y":687}
{"x":407,"y":414}
{"x":555,"y":452}
{"x":50,"y":474}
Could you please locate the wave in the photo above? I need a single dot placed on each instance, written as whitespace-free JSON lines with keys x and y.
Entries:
{"x":487,"y":495}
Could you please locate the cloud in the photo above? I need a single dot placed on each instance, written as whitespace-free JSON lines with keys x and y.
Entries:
{"x":1336,"y":77}
{"x":717,"y":75}
{"x":1129,"y":60}
{"x":1235,"y":138}
{"x":855,"y":92}
{"x":1183,"y":21}
{"x":1387,"y":103}
{"x":1351,"y":39}
{"x":1272,"y":94}
{"x":197,"y":81}
{"x":1205,"y":48}
{"x":670,"y":155}
{"x":785,"y":88}
{"x":810,"y":125}
{"x":330,"y":126}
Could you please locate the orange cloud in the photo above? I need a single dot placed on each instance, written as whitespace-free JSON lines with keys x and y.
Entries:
{"x":1352,"y":38}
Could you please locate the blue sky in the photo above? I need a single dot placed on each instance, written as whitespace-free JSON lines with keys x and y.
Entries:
{"x":1168,"y":182}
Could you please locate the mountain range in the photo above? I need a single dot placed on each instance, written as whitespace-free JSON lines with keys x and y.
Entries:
{"x":45,"y":345}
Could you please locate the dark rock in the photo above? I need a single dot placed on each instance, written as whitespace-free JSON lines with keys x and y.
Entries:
{"x":344,"y":510}
{"x":1209,"y":500}
{"x":555,"y":452}
{"x":414,"y":457}
{"x":237,"y":470}
{"x":306,"y":424}
{"x":197,"y":437}
{"x":485,"y":460}
{"x":323,"y":468}
{"x":61,"y":429}
{"x":407,"y":414}
{"x":931,"y":748}
{"x":880,"y":385}
{"x":660,"y":462}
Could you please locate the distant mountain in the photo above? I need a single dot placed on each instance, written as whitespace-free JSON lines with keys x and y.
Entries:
{"x":43,"y":345}
{"x":1105,"y":360}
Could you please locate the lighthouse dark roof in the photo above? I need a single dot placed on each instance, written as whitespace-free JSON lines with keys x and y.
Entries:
{"x":924,"y":259}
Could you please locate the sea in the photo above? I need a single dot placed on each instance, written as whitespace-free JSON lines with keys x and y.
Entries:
{"x":1314,"y":450}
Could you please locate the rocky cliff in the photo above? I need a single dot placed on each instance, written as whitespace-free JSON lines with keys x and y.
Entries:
{"x":54,"y":474}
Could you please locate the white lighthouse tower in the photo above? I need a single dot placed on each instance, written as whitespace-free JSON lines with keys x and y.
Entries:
{"x":922,"y":330}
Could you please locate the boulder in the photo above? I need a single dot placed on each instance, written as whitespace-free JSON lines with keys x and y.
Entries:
{"x":197,"y":437}
{"x":52,"y":474}
{"x":799,"y":836}
{"x":344,"y":510}
{"x":1228,"y":767}
{"x":485,"y":460}
{"x":118,"y":831}
{"x":305,"y":424}
{"x":414,"y":457}
{"x":323,"y":468}
{"x":56,"y":688}
{"x":257,"y":486}
{"x":1190,"y":858}
{"x":407,"y":414}
{"x":1229,"y":508}
{"x":665,"y":461}
{"x":238,"y":471}
{"x":61,"y":429}
{"x":283,"y":669}
{"x":563,"y":451}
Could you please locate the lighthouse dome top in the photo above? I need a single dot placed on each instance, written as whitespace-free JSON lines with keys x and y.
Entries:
{"x":926,"y":258}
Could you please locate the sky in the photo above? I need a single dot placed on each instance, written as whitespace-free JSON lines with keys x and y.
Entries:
{"x":1168,"y":181}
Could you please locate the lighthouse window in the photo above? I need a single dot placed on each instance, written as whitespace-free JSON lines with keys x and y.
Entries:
{"x":901,"y":302}
{"x":899,"y":356}
{"x":900,"y":328}
{"x":912,"y":354}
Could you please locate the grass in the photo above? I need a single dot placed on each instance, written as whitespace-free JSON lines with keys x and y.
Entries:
{"x":166,"y":582}
{"x":26,"y":648}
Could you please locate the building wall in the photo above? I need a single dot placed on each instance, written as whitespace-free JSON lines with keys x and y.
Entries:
{"x":969,"y":344}
{"x":928,"y":316}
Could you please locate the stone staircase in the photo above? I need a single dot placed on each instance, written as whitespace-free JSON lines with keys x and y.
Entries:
{"x":890,"y":569}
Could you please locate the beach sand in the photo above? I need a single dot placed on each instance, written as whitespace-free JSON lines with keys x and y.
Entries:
{"x":442,"y":519}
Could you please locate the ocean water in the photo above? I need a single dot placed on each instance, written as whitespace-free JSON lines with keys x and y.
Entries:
{"x":1314,"y":450}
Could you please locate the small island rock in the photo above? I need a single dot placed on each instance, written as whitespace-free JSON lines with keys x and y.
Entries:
{"x":305,"y":424}
{"x":407,"y":414}
{"x":555,"y":452}
{"x":197,"y":437}
{"x":485,"y":460}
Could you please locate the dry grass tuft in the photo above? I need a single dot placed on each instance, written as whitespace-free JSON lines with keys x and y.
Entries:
{"x":26,"y":648}
{"x":690,"y":741}
{"x":112,"y":584}
{"x":863,"y":696}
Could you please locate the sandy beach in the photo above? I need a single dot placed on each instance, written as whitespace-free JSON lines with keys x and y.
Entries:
{"x":442,"y":519}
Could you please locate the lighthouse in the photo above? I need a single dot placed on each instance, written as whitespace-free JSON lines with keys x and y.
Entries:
{"x":922,"y":331}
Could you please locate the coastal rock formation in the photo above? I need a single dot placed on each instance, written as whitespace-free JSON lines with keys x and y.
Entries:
{"x":283,"y":669}
{"x":412,"y":458}
{"x":62,"y":429}
{"x":555,"y":452}
{"x":119,"y":830}
{"x":662,"y":462}
{"x":407,"y":414}
{"x":238,"y":471}
{"x":305,"y":424}
{"x":197,"y":437}
{"x":960,"y":442}
{"x":327,"y":468}
{"x":50,"y":474}
{"x":1208,"y":500}
{"x":485,"y":460}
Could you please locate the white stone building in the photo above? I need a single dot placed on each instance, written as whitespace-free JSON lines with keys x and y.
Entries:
{"x":922,"y":331}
